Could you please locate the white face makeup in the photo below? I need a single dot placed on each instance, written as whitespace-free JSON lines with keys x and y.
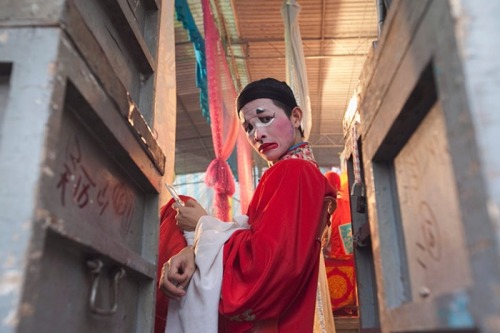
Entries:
{"x":268,"y":128}
{"x":260,"y":122}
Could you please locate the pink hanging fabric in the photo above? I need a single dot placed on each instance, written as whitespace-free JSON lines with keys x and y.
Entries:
{"x":244,"y":155}
{"x":223,"y":118}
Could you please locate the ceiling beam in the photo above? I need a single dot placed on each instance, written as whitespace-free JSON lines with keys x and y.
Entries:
{"x":322,"y":56}
{"x":326,"y":140}
{"x":245,"y":41}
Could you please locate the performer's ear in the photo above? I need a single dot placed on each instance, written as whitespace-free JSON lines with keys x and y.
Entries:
{"x":296,"y":117}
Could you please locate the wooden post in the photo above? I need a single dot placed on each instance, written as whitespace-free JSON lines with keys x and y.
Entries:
{"x":81,"y":167}
{"x":428,"y":147}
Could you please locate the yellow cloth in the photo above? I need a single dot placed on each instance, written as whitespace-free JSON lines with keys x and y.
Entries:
{"x":323,"y":316}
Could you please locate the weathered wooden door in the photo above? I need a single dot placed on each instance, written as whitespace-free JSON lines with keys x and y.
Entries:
{"x":430,"y":211}
{"x":80,"y":168}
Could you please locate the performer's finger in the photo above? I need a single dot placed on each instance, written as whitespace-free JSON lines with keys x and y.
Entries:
{"x":171,"y":289}
{"x":168,"y":285}
{"x":190,"y":203}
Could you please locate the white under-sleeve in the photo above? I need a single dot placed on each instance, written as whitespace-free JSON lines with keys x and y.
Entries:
{"x":198,"y":311}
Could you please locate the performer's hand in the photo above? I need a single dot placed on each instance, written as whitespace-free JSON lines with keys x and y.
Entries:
{"x":177,"y":272}
{"x":187,"y":216}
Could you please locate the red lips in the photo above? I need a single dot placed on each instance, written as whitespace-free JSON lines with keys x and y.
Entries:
{"x":267,"y":146}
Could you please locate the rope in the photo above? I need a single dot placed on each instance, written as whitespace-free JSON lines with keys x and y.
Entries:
{"x":355,"y":159}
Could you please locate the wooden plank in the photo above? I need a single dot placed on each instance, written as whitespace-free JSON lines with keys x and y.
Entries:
{"x":399,"y":88}
{"x":63,"y":275}
{"x":466,"y":80}
{"x":119,"y":47}
{"x":5,"y":73}
{"x":151,"y":4}
{"x":146,"y":13}
{"x":24,"y":120}
{"x":132,"y":156}
{"x":434,"y":237}
{"x":407,"y":17}
{"x":346,"y":324}
{"x":410,"y":92}
{"x":132,"y":30}
{"x":463,"y":136}
{"x":103,"y":31}
{"x":95,"y":57}
{"x":101,"y":67}
{"x":129,"y":251}
{"x":388,"y":245}
{"x":396,"y":124}
{"x":143,"y":133}
{"x":365,"y":272}
{"x":95,"y":241}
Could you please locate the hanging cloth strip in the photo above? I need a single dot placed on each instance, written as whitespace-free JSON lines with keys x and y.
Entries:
{"x":244,"y":154}
{"x":183,"y":15}
{"x":224,"y":122}
{"x":296,"y":73}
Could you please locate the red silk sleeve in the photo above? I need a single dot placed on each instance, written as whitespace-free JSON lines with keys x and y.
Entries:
{"x":273,"y":264}
{"x":171,"y":241}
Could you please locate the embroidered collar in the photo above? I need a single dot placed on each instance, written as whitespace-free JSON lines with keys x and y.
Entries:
{"x":301,"y":151}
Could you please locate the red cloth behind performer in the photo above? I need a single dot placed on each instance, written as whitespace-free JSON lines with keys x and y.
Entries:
{"x":341,"y":280}
{"x":170,"y":243}
{"x":340,"y":246}
{"x":333,"y":179}
{"x":223,"y":119}
{"x":339,"y":259}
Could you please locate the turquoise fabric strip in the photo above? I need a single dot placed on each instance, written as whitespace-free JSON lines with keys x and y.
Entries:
{"x":183,"y":15}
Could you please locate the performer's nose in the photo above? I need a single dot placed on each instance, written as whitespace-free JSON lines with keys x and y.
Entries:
{"x":259,"y":134}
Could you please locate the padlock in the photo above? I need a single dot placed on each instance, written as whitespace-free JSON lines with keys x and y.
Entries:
{"x":361,"y":204}
{"x":360,"y":198}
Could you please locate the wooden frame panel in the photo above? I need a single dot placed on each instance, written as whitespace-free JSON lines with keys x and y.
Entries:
{"x":416,"y":69}
{"x":62,"y":84}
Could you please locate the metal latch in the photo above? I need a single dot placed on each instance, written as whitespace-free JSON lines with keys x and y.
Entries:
{"x":95,"y":267}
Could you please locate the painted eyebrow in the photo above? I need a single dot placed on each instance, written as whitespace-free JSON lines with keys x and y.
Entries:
{"x":259,"y":110}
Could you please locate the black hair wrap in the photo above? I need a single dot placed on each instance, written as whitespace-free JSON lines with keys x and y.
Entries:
{"x":266,"y":88}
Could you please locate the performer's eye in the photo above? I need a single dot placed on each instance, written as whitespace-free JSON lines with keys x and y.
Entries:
{"x":266,"y":119}
{"x":248,"y":128}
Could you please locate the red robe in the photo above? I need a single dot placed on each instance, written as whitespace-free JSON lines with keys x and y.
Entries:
{"x":170,"y":243}
{"x":270,"y":272}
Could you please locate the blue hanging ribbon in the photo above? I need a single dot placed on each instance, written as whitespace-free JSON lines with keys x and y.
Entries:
{"x":183,"y":15}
